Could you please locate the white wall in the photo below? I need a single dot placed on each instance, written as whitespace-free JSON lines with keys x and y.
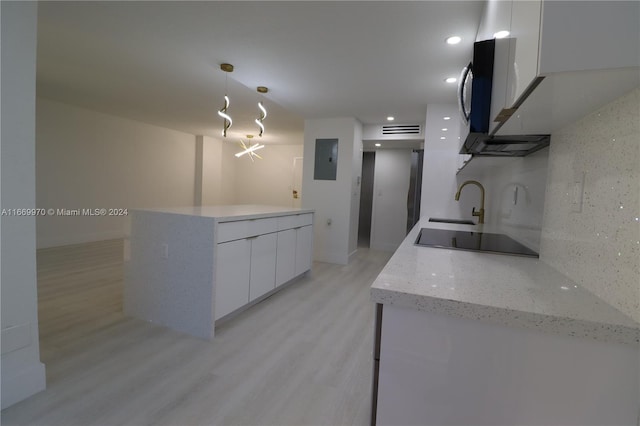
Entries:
{"x":390,"y":191}
{"x":22,"y":372}
{"x":331,"y":199}
{"x":266,"y":181}
{"x":86,"y":159}
{"x":439,"y":180}
{"x":229,"y":168}
{"x":599,"y":246}
{"x":213,"y":172}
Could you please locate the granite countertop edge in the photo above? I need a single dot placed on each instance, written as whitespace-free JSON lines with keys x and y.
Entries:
{"x":605,"y":332}
{"x":497,"y":289}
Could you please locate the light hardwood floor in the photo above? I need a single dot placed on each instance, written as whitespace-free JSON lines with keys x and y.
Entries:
{"x":301,"y":357}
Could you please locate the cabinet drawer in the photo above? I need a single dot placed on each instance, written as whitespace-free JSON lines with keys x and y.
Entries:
{"x":294,"y":221}
{"x":229,"y":231}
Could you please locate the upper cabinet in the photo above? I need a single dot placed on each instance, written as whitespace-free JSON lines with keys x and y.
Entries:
{"x":524,"y":44}
{"x":569,"y":43}
{"x":589,"y":35}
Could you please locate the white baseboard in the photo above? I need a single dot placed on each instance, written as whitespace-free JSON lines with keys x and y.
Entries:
{"x":16,"y":387}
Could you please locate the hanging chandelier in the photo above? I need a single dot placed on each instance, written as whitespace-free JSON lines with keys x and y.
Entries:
{"x":263,"y":111}
{"x":249,"y":150}
{"x":227,"y":68}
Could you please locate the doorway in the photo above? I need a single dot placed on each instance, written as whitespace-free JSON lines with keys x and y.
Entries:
{"x":296,"y":183}
{"x":415,"y":188}
{"x":366,"y":199}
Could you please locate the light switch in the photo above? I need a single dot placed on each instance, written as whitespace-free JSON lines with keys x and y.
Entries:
{"x":165,"y":251}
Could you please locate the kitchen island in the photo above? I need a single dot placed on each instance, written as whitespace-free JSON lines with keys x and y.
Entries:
{"x":476,"y":338}
{"x":189,"y":268}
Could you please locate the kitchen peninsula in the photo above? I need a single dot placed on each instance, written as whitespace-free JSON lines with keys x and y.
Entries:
{"x":477,"y":338}
{"x":189,"y":267}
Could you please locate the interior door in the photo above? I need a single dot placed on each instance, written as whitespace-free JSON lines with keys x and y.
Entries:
{"x":296,"y":183}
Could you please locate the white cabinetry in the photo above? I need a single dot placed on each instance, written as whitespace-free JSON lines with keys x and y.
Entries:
{"x":304,"y":245}
{"x":263,"y":254}
{"x":441,"y":370}
{"x":246,"y":271}
{"x":263,"y":265}
{"x":286,"y":256}
{"x":551,"y":37}
{"x":189,"y":267}
{"x":522,"y":66}
{"x":232,"y":276}
{"x":295,"y":246}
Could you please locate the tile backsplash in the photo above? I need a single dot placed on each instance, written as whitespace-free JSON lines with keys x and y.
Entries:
{"x":597,"y":242}
{"x":517,"y":196}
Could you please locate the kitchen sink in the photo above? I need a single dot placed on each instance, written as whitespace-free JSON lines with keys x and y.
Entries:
{"x":472,"y":241}
{"x":456,"y":221}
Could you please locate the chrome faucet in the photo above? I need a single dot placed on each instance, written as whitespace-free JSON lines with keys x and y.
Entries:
{"x":480,"y":213}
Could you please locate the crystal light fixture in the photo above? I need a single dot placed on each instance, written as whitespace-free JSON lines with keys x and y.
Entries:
{"x":227,"y":68}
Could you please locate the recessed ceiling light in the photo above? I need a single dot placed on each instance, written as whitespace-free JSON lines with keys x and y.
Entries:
{"x":447,"y":118}
{"x":378,"y":144}
{"x":444,"y":129}
{"x":442,"y":137}
{"x":454,"y":40}
{"x":450,"y":79}
{"x":501,"y":34}
{"x":390,"y":118}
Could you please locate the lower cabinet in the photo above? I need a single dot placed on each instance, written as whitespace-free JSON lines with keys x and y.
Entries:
{"x":246,"y":271}
{"x":304,"y":248}
{"x":250,"y":267}
{"x":295,"y":248}
{"x":263,"y":265}
{"x":437,"y":369}
{"x":286,"y":256}
{"x":232,"y":276}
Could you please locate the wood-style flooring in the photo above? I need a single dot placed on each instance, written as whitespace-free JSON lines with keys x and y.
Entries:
{"x":301,"y":357}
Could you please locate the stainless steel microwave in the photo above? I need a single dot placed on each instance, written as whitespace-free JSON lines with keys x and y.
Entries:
{"x":474,"y":101}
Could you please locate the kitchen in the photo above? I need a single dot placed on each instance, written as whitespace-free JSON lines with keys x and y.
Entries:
{"x":335,"y":242}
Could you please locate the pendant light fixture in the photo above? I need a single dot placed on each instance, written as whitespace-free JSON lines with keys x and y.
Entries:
{"x":250,"y":150}
{"x":227,"y":68}
{"x":263,"y":111}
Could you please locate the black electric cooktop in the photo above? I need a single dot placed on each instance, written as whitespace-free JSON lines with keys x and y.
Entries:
{"x":472,"y":241}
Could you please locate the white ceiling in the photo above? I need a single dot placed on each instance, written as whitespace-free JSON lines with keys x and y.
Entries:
{"x":158,"y":62}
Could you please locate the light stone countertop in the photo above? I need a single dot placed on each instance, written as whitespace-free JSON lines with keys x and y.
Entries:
{"x":227,"y":213}
{"x":500,"y":289}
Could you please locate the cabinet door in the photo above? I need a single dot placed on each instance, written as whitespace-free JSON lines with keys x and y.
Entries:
{"x":304,"y":248}
{"x":263,"y":265}
{"x":232,"y":276}
{"x":525,"y":36}
{"x":286,"y":256}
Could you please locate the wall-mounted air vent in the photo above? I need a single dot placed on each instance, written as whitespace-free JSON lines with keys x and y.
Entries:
{"x":401,"y":129}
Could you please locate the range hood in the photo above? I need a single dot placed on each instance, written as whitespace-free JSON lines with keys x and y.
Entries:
{"x":483,"y":145}
{"x":480,"y":139}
